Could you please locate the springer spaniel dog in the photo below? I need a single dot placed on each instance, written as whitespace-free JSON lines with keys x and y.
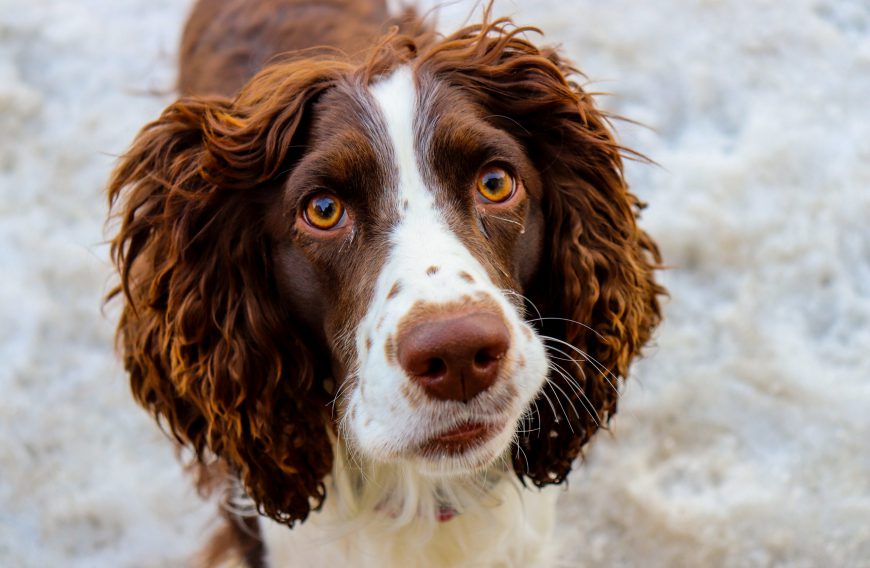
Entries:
{"x":383,"y":282}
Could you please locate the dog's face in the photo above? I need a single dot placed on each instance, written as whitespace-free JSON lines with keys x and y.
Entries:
{"x":417,"y":225}
{"x":382,"y":251}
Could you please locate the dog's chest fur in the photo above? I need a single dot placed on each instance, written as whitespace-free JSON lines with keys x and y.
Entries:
{"x":511,"y":527}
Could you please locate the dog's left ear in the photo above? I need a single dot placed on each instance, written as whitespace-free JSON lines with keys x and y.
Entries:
{"x":595,"y":288}
{"x":208,"y":346}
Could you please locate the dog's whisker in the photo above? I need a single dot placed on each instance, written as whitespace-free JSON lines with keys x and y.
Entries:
{"x":604,"y":372}
{"x":588,"y":406}
{"x":525,"y":299}
{"x":579,"y":366}
{"x":581,"y":324}
{"x":522,"y":452}
{"x":568,"y":399}
{"x":506,"y":220}
{"x":571,"y":382}
{"x":345,"y":387}
{"x":579,"y":391}
{"x":561,"y":372}
{"x":543,"y":393}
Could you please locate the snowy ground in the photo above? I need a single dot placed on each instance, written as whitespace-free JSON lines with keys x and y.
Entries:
{"x":744,"y":438}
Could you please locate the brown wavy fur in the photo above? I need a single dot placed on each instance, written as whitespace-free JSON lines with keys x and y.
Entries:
{"x":211,"y":352}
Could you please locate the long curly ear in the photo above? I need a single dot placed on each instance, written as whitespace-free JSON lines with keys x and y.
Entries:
{"x":208,"y":347}
{"x":595,"y":288}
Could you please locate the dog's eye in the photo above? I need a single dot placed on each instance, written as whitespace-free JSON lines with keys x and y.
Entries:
{"x":325,"y":212}
{"x":495,"y":185}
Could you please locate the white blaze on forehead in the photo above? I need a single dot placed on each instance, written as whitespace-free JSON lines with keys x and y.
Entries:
{"x":422,"y":237}
{"x":396,"y":98}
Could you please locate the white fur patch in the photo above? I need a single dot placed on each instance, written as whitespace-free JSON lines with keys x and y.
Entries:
{"x":506,"y":527}
{"x":384,"y":425}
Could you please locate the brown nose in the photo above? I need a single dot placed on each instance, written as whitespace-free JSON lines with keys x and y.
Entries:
{"x":455,"y":358}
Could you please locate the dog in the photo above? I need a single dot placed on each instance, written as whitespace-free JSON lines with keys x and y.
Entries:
{"x":383,"y":282}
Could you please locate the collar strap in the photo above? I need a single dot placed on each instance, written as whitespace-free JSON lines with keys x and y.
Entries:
{"x":445,"y":513}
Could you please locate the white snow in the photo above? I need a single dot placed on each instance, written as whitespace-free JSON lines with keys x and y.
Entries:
{"x":743,"y":438}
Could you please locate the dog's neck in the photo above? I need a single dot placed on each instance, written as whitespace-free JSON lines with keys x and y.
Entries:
{"x":392,"y":515}
{"x":400,"y":494}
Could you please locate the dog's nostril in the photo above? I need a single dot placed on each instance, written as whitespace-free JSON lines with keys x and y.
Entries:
{"x":424,"y":367}
{"x":486,"y":357}
{"x":434,"y":368}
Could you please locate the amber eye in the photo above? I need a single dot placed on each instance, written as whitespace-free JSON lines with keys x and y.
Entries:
{"x":324,"y":212}
{"x":495,"y":185}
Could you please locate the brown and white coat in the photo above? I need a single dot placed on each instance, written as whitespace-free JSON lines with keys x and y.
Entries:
{"x":323,"y":299}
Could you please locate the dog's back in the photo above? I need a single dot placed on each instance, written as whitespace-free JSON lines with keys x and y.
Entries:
{"x":225,"y":42}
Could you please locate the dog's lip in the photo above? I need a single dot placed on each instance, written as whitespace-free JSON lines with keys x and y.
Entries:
{"x":459,"y":438}
{"x":462,"y":433}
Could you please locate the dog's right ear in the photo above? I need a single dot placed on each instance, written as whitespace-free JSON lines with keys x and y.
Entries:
{"x":596,"y":294}
{"x":209,"y":349}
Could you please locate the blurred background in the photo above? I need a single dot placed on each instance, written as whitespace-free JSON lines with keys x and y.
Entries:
{"x":743,"y":437}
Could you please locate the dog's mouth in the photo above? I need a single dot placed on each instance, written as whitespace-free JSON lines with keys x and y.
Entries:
{"x":458,"y":440}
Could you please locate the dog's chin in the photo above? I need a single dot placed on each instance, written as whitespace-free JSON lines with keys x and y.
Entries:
{"x":464,"y":450}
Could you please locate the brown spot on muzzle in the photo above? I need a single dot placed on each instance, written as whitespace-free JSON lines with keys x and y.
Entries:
{"x":394,"y":291}
{"x":390,"y":350}
{"x":467,"y":277}
{"x":432,"y":270}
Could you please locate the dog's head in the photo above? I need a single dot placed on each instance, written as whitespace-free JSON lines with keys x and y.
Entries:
{"x":432,"y":255}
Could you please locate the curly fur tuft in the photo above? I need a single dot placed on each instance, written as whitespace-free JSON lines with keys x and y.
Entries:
{"x":207,"y":346}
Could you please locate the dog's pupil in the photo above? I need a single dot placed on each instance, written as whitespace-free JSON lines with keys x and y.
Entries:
{"x":493,"y":182}
{"x":325,"y":208}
